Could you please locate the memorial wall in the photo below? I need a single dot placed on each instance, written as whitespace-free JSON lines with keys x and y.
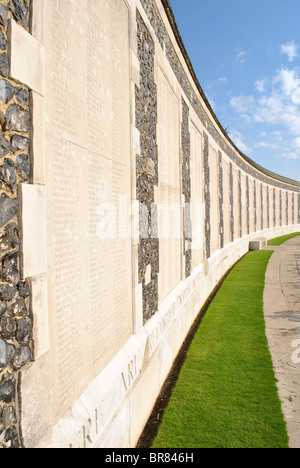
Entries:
{"x":123,"y":203}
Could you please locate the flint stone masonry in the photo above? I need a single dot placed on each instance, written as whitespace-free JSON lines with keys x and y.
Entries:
{"x":8,"y":208}
{"x":186,"y":187}
{"x":17,"y":119}
{"x":5,"y":146}
{"x":16,"y":325}
{"x":146,"y":99}
{"x":19,"y":10}
{"x":4,"y":64}
{"x":122,"y":203}
{"x":6,"y":91}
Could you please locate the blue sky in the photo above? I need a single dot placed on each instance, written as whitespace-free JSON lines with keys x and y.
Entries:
{"x":246,"y":55}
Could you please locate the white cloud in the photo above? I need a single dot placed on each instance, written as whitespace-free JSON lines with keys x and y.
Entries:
{"x":292,"y":156}
{"x":261,"y":85}
{"x":242,"y":104}
{"x":278,"y":105}
{"x":237,"y":139}
{"x":295,"y":150}
{"x":266,"y":144}
{"x":290,"y":49}
{"x":289,"y":82}
{"x":277,"y":134}
{"x":241,"y":56}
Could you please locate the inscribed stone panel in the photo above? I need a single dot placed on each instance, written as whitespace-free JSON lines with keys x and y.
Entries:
{"x":88,"y":189}
{"x":168,"y":193}
{"x":296,"y":209}
{"x":236,"y":204}
{"x":214,"y":200}
{"x":226,"y":204}
{"x":271,"y":207}
{"x":258,"y":205}
{"x":284,"y":208}
{"x":197,"y":197}
{"x":277,"y":198}
{"x":244,"y":206}
{"x":265,"y":207}
{"x":290,"y":208}
{"x":251,"y":205}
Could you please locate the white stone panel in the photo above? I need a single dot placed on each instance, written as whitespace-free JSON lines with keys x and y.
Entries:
{"x":34,"y":236}
{"x":226,"y":202}
{"x":168,"y":192}
{"x":26,"y":58}
{"x":39,"y":306}
{"x":197,"y":196}
{"x":88,"y":180}
{"x":214,"y":200}
{"x":38,"y":139}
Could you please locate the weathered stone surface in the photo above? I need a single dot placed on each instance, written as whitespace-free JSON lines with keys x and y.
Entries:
{"x":7,"y":91}
{"x":19,"y":10}
{"x":2,"y":308}
{"x":4,"y":145}
{"x":10,"y":267}
{"x":15,"y":322}
{"x":12,"y":438}
{"x":3,"y":15}
{"x":4,"y":64}
{"x":8,"y":416}
{"x":18,"y":308}
{"x":7,"y":388}
{"x":8,"y":174}
{"x":7,"y":292}
{"x":24,"y":330}
{"x":7,"y":327}
{"x":186,"y":186}
{"x":24,"y":289}
{"x":3,"y":353}
{"x":17,"y":119}
{"x":19,"y":142}
{"x":146,"y":168}
{"x":8,"y":209}
{"x":22,"y":95}
{"x":6,"y":242}
{"x":23,"y":166}
{"x":7,"y":352}
{"x":22,"y":357}
{"x":3,"y":40}
{"x":13,"y":231}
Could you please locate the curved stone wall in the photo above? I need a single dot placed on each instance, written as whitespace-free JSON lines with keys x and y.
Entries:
{"x":134,"y":205}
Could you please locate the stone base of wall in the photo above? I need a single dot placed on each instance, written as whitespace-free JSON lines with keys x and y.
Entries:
{"x":113,"y":410}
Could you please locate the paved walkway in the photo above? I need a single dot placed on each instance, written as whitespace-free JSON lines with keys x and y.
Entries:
{"x":282,"y":315}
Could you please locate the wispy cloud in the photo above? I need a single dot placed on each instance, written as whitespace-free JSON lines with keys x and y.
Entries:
{"x":277,"y":105}
{"x":295,"y":150}
{"x":261,"y":85}
{"x":266,"y":144}
{"x":237,"y":138}
{"x":282,"y":104}
{"x":290,"y":49}
{"x":243,"y":104}
{"x":241,"y":56}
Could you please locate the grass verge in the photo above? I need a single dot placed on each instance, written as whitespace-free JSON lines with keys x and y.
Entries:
{"x":226,"y":395}
{"x":282,"y":239}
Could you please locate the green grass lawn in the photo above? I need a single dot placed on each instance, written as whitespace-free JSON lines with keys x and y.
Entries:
{"x":226,"y":395}
{"x":282,"y":239}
